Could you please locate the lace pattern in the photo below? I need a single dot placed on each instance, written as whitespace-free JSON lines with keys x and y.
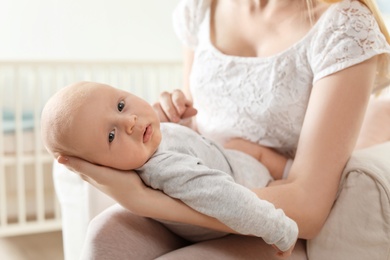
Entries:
{"x":264,"y":100}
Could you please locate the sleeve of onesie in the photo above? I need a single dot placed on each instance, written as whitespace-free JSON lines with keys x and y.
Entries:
{"x":214,"y":193}
{"x":348,"y":36}
{"x":187,"y":18}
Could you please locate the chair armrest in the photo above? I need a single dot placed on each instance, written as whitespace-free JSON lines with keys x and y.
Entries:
{"x":80,"y":202}
{"x":358,"y":226}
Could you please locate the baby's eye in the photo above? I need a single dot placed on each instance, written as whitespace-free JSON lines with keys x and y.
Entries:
{"x":121,"y":106}
{"x":111,"y":136}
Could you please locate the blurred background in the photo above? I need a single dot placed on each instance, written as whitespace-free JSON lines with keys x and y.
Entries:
{"x":45,"y":45}
{"x":87,"y":30}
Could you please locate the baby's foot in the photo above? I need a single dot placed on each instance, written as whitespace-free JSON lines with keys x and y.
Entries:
{"x":376,"y":124}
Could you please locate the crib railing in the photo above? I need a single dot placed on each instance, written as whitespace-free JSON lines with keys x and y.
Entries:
{"x":27,"y":197}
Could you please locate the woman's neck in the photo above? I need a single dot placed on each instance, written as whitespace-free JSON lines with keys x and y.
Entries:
{"x":259,"y":28}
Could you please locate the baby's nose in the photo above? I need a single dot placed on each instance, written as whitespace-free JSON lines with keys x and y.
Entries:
{"x":130,"y":123}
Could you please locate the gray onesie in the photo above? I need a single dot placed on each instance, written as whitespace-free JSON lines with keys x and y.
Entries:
{"x":215,"y":182}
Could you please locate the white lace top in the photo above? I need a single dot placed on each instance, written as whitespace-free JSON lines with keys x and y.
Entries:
{"x":264,"y":99}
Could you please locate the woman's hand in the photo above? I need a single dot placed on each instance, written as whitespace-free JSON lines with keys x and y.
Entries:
{"x":125,"y":187}
{"x":174,"y":107}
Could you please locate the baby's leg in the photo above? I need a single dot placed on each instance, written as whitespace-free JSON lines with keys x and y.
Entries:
{"x":233,"y":247}
{"x":118,"y":234}
{"x":376,"y":124}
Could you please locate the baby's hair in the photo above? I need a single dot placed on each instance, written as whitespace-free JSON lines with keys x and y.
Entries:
{"x":58,"y":116}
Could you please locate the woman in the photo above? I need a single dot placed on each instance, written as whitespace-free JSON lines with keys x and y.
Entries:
{"x":295,"y":76}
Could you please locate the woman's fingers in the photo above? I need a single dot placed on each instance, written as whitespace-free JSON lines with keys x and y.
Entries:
{"x":126,"y":187}
{"x":86,"y":170}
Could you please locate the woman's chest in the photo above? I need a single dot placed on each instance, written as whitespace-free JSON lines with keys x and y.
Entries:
{"x":238,"y":31}
{"x":261,"y":99}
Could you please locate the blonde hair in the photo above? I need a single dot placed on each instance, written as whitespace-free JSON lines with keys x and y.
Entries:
{"x":383,"y":71}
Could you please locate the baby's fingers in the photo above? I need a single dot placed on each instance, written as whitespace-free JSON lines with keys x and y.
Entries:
{"x":180,"y":101}
{"x":281,"y":254}
{"x":170,"y":110}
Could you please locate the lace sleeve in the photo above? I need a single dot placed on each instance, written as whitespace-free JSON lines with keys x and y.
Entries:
{"x":346,"y":36}
{"x":187,"y":18}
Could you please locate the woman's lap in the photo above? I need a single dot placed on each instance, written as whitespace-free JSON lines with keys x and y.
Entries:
{"x":233,"y":247}
{"x":118,"y":234}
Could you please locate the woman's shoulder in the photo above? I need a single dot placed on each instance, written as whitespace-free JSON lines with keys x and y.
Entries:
{"x":349,"y":21}
{"x":187,"y":18}
{"x":349,"y":12}
{"x":346,"y":34}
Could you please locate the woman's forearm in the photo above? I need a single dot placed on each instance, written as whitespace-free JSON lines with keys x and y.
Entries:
{"x":158,"y":205}
{"x":302,"y":204}
{"x":127,"y":188}
{"x":288,"y":196}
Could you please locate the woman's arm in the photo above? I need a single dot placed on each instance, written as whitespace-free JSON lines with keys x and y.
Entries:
{"x":127,"y":188}
{"x":330,"y":130}
{"x":332,"y":123}
{"x":188,"y":59}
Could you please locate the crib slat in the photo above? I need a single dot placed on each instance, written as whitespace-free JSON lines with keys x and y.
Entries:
{"x":3,"y":201}
{"x":39,"y":178}
{"x":27,"y":159}
{"x":30,"y":228}
{"x":19,"y":148}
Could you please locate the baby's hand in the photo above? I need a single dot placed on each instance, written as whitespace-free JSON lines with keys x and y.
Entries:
{"x":253,"y":149}
{"x":271,"y":159}
{"x":285,"y":254}
{"x":174,"y":107}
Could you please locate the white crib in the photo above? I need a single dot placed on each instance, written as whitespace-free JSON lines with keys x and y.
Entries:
{"x":28,"y":203}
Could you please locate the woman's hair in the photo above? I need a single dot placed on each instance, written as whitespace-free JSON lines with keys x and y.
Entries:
{"x":383,"y":73}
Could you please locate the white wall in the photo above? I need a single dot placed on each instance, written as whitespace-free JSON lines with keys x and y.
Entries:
{"x":88,"y":30}
{"x":92,"y":30}
{"x":384,"y":6}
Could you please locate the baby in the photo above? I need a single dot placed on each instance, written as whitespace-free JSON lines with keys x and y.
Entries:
{"x":111,"y":127}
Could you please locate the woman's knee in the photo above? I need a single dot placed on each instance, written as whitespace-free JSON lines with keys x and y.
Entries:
{"x":118,"y":234}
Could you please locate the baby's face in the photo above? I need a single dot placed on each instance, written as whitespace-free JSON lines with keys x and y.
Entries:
{"x":115,"y":128}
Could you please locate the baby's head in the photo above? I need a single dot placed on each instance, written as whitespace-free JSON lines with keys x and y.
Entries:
{"x":59,"y":117}
{"x":100,"y":124}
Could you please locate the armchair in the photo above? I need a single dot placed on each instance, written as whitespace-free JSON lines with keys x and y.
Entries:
{"x":358,"y":226}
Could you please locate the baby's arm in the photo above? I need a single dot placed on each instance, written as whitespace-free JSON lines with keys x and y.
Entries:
{"x":276,"y":163}
{"x":214,"y":193}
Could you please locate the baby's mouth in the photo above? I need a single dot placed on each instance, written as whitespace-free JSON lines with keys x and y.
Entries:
{"x":147,"y":133}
